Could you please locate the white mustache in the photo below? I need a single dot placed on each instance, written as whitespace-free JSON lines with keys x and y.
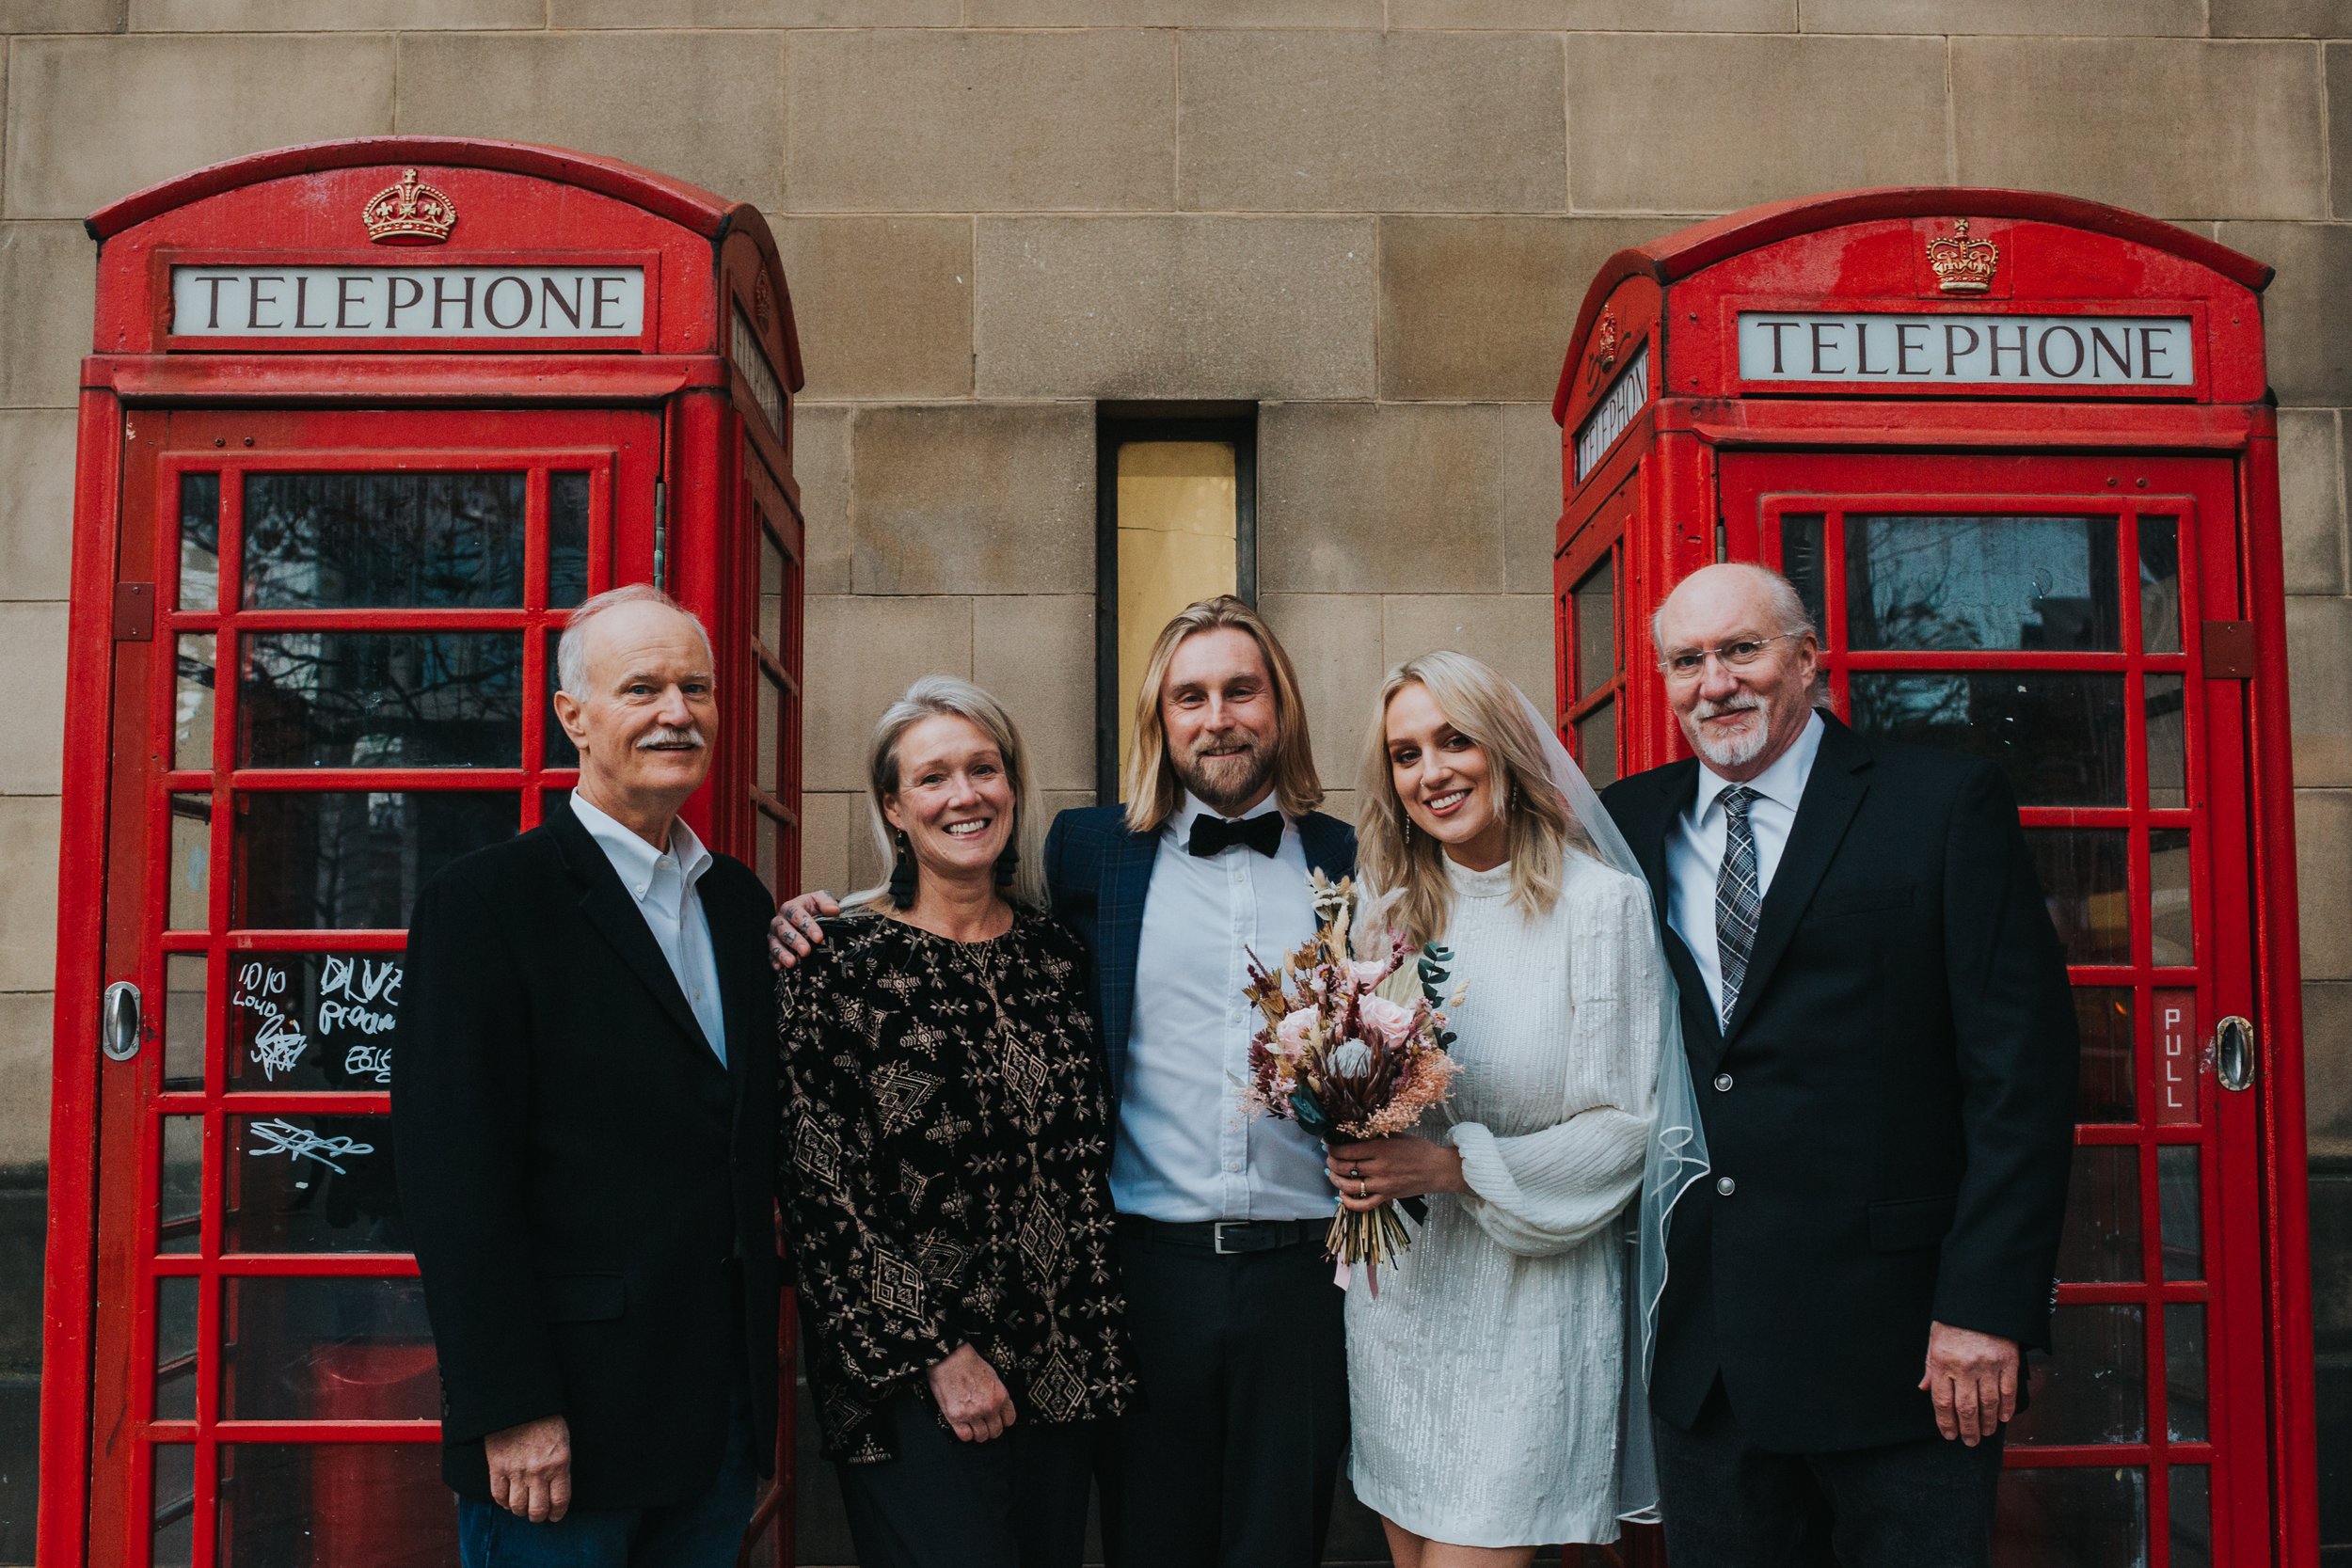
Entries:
{"x":666,"y":736}
{"x":1706,"y":709}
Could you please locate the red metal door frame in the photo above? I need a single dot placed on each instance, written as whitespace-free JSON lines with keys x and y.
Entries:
{"x":1759,"y":490}
{"x":620,"y":450}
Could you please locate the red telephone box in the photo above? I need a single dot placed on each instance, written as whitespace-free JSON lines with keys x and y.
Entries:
{"x":363,"y":421}
{"x":2018,"y":453}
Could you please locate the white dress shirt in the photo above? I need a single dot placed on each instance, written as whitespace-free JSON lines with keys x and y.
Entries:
{"x":662,"y":883}
{"x":1188,"y":1149}
{"x":1694,"y":848}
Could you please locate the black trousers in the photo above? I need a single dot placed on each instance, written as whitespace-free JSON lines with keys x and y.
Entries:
{"x":1016,"y":1501}
{"x":1230,"y":1459}
{"x":1910,"y":1505}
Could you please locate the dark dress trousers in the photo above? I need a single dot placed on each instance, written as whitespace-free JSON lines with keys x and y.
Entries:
{"x":591,"y":1194}
{"x":1232,"y":1453}
{"x":1889,"y":1112}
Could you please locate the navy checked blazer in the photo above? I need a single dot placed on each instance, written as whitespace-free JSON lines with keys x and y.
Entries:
{"x":1098,"y":873}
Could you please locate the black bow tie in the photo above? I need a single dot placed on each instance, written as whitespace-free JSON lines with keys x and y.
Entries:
{"x":1263,"y":832}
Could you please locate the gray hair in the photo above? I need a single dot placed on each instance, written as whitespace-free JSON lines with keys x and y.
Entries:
{"x":945,"y":697}
{"x":571,"y":649}
{"x":1781,"y":600}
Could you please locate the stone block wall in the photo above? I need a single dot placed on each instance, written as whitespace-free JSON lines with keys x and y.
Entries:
{"x":1372,"y":218}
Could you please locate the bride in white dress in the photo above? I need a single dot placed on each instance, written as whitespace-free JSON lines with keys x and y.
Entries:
{"x":1487,"y":1381}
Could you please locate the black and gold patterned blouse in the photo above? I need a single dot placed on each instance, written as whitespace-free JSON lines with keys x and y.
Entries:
{"x":946,"y":1172}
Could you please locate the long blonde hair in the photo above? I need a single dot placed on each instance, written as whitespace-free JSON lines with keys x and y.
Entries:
{"x":1154,"y":790}
{"x":1540,"y":830}
{"x":943,"y":696}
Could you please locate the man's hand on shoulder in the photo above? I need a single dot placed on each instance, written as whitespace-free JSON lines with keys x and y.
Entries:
{"x":1972,"y":1377}
{"x":795,"y":930}
{"x":531,"y":1470}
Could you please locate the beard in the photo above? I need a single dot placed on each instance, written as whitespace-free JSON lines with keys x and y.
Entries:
{"x":1226,"y":784}
{"x":1737,"y":751}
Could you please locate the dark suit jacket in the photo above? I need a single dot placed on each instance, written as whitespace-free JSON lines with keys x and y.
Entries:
{"x":1894,"y":1102}
{"x":1099,"y":874}
{"x":590,"y":1194}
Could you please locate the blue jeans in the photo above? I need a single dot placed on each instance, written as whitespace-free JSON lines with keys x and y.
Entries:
{"x":703,"y":1533}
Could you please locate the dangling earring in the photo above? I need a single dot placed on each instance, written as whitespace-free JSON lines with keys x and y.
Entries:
{"x":1408,"y":833}
{"x":1513,"y":806}
{"x":902,"y":874}
{"x":1007,"y":864}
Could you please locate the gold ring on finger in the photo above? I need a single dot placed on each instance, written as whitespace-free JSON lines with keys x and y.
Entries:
{"x":1363,"y":1188}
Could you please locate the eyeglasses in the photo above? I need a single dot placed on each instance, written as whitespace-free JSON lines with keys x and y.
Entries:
{"x":1684,"y":663}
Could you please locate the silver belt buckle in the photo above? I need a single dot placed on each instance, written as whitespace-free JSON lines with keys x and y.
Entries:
{"x":1216,"y":1239}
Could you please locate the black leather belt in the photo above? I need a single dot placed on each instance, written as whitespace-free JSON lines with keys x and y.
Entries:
{"x":1225,"y":1237}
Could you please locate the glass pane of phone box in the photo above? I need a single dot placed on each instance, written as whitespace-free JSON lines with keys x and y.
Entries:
{"x":334,"y":1505}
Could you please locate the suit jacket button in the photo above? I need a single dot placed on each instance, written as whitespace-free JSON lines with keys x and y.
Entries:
{"x":1723,"y":1083}
{"x":1725,"y":1185}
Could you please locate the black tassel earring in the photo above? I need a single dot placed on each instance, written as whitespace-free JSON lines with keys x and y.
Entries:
{"x":1007,"y":864}
{"x":902,"y":875}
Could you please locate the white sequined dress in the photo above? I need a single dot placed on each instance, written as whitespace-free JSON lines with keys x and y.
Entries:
{"x":1483,"y":1381}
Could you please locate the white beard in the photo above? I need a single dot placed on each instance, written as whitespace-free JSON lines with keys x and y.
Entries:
{"x":1737,"y":752}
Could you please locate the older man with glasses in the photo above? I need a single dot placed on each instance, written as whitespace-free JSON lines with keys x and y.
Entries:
{"x":1879,"y":1025}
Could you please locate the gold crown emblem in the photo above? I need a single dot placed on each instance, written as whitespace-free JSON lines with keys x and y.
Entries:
{"x":1962,"y":265}
{"x":408,"y":213}
{"x":1604,"y":347}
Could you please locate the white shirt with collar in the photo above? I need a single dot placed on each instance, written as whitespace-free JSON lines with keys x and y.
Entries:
{"x":1695,"y":846}
{"x":662,"y":883}
{"x":1188,"y":1149}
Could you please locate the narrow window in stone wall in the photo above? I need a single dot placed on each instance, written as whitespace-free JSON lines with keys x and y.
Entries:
{"x":1176,"y":502}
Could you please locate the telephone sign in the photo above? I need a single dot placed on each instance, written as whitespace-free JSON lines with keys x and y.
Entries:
{"x":408,"y":302}
{"x":1971,"y":350}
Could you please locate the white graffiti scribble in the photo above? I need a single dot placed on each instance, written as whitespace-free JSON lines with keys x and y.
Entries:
{"x":300,"y":1143}
{"x":341,"y":1015}
{"x":278,"y":1045}
{"x":278,"y":1039}
{"x":357,"y":993}
{"x":370,"y":1061}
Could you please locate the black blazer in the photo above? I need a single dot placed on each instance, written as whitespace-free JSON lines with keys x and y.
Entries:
{"x":1098,"y":873}
{"x":591,"y":1196}
{"x":1893,"y":1100}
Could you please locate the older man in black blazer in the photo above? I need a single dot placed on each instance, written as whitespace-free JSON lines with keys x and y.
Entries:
{"x":1876,"y":1011}
{"x":585,"y":1115}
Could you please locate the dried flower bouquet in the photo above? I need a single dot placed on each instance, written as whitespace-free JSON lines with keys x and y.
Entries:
{"x":1346,"y":1062}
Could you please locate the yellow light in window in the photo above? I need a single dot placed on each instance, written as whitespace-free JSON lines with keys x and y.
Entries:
{"x":1177,"y":508}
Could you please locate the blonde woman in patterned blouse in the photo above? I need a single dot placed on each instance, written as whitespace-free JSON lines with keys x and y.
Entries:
{"x":945,"y":1161}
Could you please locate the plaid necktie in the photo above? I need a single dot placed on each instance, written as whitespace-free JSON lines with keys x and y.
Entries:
{"x":1738,"y":899}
